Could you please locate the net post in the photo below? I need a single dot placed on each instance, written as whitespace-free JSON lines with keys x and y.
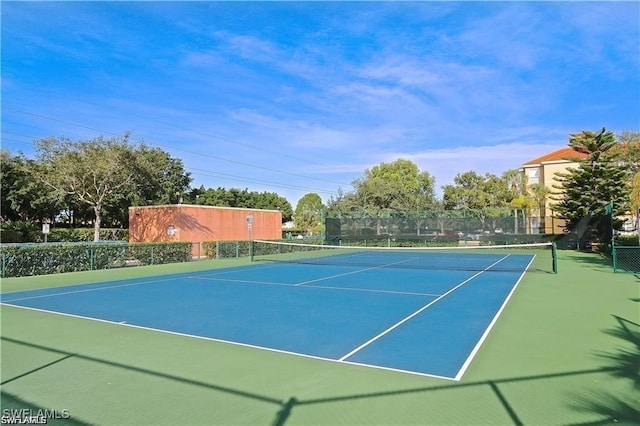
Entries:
{"x":554,"y":257}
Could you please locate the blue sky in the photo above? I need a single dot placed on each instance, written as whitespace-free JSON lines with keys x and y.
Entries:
{"x":303,"y":97}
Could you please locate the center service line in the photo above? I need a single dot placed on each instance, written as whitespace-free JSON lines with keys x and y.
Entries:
{"x":399,"y":323}
{"x":355,"y":272}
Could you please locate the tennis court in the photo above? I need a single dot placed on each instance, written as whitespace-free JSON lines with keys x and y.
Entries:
{"x":415,"y":311}
{"x":564,"y":351}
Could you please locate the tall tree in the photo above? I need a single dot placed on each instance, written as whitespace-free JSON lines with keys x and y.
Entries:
{"x":308,"y":213}
{"x":471,"y":190}
{"x":635,"y":197}
{"x":161,"y":179}
{"x":598,"y":180}
{"x":90,"y":172}
{"x":343,"y":201}
{"x":399,"y":185}
{"x":23,"y":197}
{"x":594,"y":144}
{"x":235,"y":197}
{"x":628,"y":150}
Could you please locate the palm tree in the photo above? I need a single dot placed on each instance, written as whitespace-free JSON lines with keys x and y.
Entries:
{"x":539,"y":194}
{"x":524,"y":203}
{"x":515,"y":181}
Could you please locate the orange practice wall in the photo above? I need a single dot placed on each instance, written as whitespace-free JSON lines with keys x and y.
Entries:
{"x":201,"y":223}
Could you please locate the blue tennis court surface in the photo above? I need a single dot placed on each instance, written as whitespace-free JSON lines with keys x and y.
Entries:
{"x":421,"y":321}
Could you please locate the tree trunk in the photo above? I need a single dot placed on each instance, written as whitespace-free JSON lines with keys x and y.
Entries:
{"x":97,"y":209}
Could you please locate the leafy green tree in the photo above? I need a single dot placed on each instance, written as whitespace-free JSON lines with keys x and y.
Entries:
{"x":243,"y":198}
{"x":308,"y":213}
{"x":399,"y":185}
{"x":465,"y":193}
{"x":598,"y":180}
{"x":159,"y":179}
{"x":343,"y":201}
{"x":635,"y":194}
{"x":486,"y":196}
{"x":24,"y":198}
{"x":473,"y":191}
{"x":273,"y":201}
{"x":627,"y":151}
{"x":90,"y":172}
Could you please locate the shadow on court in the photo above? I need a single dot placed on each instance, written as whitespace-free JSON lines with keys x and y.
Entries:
{"x":10,"y":402}
{"x":623,"y":364}
{"x":610,"y":408}
{"x":596,"y":261}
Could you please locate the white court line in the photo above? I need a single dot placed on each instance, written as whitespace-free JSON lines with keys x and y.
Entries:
{"x":369,"y":290}
{"x":228,"y":342}
{"x":325,"y":287}
{"x":90,"y":289}
{"x":472,"y":355}
{"x":108,"y":287}
{"x":224,"y":271}
{"x":229,"y":280}
{"x":356,"y":272}
{"x":399,"y":323}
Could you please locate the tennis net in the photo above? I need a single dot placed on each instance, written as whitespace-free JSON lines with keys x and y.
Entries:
{"x":515,"y":257}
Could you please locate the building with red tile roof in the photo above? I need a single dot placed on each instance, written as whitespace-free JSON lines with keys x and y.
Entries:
{"x":542,"y":171}
{"x":563,"y":155}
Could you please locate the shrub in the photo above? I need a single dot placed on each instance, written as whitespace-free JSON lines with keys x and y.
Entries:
{"x":43,"y":259}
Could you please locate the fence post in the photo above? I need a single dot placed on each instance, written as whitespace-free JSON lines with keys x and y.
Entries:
{"x":614,"y":256}
{"x":3,"y":263}
{"x":152,"y":260}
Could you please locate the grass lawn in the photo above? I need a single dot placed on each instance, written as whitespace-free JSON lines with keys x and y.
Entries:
{"x":565,"y":351}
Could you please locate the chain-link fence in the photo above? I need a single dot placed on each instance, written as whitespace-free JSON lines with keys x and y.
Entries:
{"x":440,"y":226}
{"x":626,"y":259}
{"x":226,"y":249}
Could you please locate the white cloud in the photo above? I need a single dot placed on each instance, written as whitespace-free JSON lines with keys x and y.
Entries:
{"x":446,"y":163}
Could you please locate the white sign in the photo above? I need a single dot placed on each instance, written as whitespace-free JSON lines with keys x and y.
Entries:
{"x":45,"y":228}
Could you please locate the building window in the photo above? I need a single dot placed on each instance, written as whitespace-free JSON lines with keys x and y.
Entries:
{"x":533,"y":176}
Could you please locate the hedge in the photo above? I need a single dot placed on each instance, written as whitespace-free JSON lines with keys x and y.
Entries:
{"x":43,"y":259}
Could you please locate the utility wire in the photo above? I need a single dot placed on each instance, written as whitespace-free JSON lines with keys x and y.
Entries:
{"x":244,"y":179}
{"x":177,"y":149}
{"x":165,"y":123}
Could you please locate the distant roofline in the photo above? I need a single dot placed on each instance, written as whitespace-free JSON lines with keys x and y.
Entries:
{"x":566,"y":154}
{"x":203,"y":207}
